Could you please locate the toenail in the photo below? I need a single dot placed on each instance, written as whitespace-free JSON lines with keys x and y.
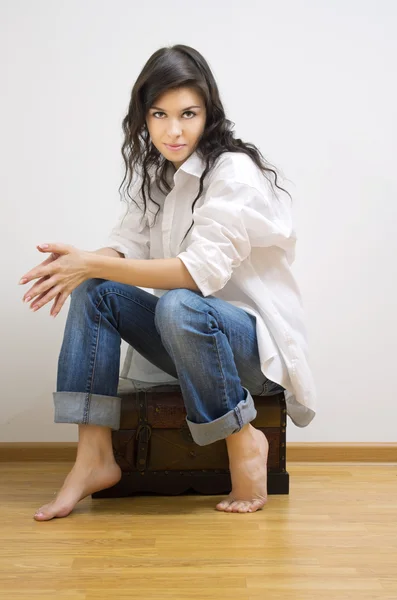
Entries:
{"x":39,"y":514}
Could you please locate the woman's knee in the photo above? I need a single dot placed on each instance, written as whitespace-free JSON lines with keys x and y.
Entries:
{"x":173,"y":308}
{"x":86,"y":289}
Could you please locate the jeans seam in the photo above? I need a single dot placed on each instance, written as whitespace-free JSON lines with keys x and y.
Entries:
{"x":221,"y":327}
{"x":86,"y":410}
{"x":224,"y":399}
{"x":238,"y":415}
{"x":87,"y":404}
{"x":265,"y":385}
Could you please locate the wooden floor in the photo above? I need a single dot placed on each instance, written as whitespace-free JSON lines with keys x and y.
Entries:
{"x":334,"y":536}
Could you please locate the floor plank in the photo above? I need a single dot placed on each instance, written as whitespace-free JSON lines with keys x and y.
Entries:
{"x":334,"y":537}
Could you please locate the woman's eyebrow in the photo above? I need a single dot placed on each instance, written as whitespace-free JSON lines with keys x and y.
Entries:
{"x":183,"y":109}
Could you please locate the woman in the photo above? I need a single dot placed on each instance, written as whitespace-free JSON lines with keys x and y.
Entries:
{"x":225,"y":318}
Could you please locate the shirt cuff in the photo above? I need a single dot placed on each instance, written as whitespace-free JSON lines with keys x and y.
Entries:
{"x":206,"y":284}
{"x":118,"y":247}
{"x":131,"y":251}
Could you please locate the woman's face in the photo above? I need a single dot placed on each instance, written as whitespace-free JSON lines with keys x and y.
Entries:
{"x":177,"y":118}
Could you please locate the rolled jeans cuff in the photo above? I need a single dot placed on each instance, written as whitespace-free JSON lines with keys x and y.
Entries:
{"x":87,"y":409}
{"x":208,"y":433}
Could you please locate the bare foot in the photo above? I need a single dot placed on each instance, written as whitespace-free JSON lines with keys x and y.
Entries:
{"x":248,"y":470}
{"x":81,"y":482}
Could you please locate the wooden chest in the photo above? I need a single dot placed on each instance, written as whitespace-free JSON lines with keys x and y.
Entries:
{"x":157,"y":454}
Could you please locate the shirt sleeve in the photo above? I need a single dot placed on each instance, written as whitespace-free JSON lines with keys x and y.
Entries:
{"x":131,"y":234}
{"x":234,"y":218}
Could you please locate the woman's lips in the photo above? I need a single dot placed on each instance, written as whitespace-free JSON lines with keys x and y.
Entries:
{"x":175,"y":148}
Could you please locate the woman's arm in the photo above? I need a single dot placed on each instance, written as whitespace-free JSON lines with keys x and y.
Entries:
{"x":157,"y":273}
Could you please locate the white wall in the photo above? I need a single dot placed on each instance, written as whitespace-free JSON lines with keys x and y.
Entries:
{"x":312,"y":83}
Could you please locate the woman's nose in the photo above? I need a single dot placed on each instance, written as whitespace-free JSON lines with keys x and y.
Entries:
{"x":174,"y":129}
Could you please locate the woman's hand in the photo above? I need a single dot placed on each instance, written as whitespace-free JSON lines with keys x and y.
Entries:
{"x":57,"y":276}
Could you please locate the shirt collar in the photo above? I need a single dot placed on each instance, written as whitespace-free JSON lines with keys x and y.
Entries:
{"x":193,"y":165}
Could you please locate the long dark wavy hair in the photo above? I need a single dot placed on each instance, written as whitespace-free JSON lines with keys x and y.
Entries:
{"x":170,"y":68}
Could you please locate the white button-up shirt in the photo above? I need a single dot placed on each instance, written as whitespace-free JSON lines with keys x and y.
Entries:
{"x":240,"y":249}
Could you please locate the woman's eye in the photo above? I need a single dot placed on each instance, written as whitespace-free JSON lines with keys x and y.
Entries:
{"x":187,"y":111}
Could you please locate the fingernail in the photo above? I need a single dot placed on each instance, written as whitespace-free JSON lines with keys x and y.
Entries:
{"x":28,"y":298}
{"x":23,"y":280}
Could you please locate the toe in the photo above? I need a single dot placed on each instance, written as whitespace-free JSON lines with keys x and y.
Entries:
{"x":50,"y":511}
{"x":244,"y":507}
{"x":256,"y":505}
{"x":43,"y":510}
{"x":240,"y":506}
{"x":236,"y":506}
{"x":42,"y":515}
{"x":223,"y":505}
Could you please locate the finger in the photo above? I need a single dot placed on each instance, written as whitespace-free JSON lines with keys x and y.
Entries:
{"x":45,"y":262}
{"x":39,"y":297}
{"x":38,"y":272}
{"x":59,"y":302}
{"x":36,"y":289}
{"x":55,"y":306}
{"x":45,"y":286}
{"x":43,"y":270}
{"x":54,"y":291}
{"x":50,"y":259}
{"x":58,"y":248}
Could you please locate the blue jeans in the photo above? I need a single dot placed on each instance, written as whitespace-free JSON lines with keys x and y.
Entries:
{"x":208,"y":344}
